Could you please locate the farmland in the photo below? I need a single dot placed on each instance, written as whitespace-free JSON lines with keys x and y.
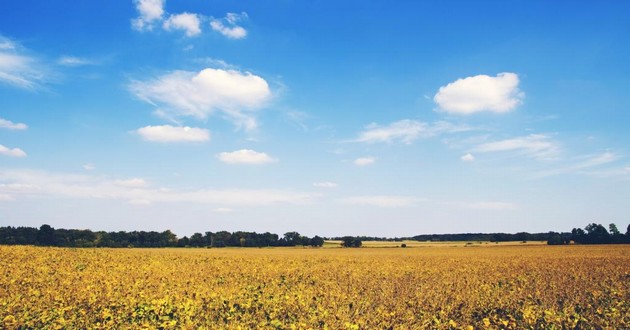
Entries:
{"x":442,"y":287}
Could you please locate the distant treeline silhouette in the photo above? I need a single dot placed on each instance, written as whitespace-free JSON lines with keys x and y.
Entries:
{"x":49,"y":236}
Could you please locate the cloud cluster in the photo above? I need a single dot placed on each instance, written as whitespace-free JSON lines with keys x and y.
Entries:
{"x":187,"y":22}
{"x":11,"y":125}
{"x":73,"y":61}
{"x":538,"y":146}
{"x":17,"y":68}
{"x":151,"y":13}
{"x":199,"y":94}
{"x":364,"y":161}
{"x":229,"y":27}
{"x":12,"y":152}
{"x":245,"y":156}
{"x":480,"y":93}
{"x":407,"y":131}
{"x":16,"y":184}
{"x":168,"y":133}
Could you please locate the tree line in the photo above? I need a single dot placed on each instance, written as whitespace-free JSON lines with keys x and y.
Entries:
{"x":597,"y":234}
{"x":49,"y":236}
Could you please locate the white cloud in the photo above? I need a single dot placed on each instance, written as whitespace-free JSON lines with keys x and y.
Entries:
{"x":186,"y":21}
{"x":18,"y":69}
{"x":228,"y":26}
{"x":480,"y":93}
{"x":245,"y":156}
{"x":11,"y":125}
{"x":89,"y":167}
{"x":468,"y":157}
{"x":131,"y":183}
{"x":149,"y":12}
{"x":223,"y":210}
{"x":15,"y":152}
{"x":407,"y":131}
{"x":583,"y":164}
{"x":183,"y":93}
{"x":73,"y":61}
{"x":168,"y":133}
{"x":383,"y":201}
{"x":534,"y":145}
{"x":41,"y":184}
{"x":325,"y":184}
{"x":364,"y":161}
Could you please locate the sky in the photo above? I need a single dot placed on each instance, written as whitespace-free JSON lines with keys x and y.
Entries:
{"x":328,"y":118}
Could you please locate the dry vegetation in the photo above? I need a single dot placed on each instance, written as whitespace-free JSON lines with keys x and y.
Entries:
{"x":507,"y":287}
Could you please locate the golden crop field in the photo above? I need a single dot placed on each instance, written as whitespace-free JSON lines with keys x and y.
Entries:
{"x":502,"y":287}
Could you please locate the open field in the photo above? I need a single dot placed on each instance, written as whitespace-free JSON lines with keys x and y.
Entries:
{"x":509,"y":287}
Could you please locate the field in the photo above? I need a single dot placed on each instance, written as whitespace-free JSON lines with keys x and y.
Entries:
{"x":436,"y":287}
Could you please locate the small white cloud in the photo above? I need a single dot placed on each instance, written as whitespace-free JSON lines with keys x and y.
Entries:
{"x":185,"y":93}
{"x":11,"y":125}
{"x":17,"y":68}
{"x":407,"y":131}
{"x":534,"y":145}
{"x":168,"y":133}
{"x":584,"y":163}
{"x":89,"y":167}
{"x":245,"y":156}
{"x":223,"y":210}
{"x":228,"y":26}
{"x":364,"y":161}
{"x":325,"y":184}
{"x":73,"y":61}
{"x":480,"y":93}
{"x":131,"y":183}
{"x":187,"y":22}
{"x":15,"y":152}
{"x":149,"y":12}
{"x":468,"y":157}
{"x":383,"y":201}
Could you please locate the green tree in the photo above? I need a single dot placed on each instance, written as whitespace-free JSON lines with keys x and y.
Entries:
{"x":349,"y":241}
{"x":612,"y":228}
{"x":316,"y":241}
{"x":46,"y":235}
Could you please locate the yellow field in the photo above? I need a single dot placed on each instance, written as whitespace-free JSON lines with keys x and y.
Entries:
{"x":336,"y":244}
{"x":507,"y":287}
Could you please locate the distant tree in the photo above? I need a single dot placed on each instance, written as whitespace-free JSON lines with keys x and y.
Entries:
{"x":197,"y":240}
{"x":555,"y":239}
{"x":292,"y":238}
{"x":628,"y":231}
{"x":612,"y":228}
{"x":597,"y":234}
{"x":316,"y":241}
{"x":349,"y":241}
{"x":46,"y":235}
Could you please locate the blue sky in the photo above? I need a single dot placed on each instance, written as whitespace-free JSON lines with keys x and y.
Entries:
{"x":362,"y":118}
